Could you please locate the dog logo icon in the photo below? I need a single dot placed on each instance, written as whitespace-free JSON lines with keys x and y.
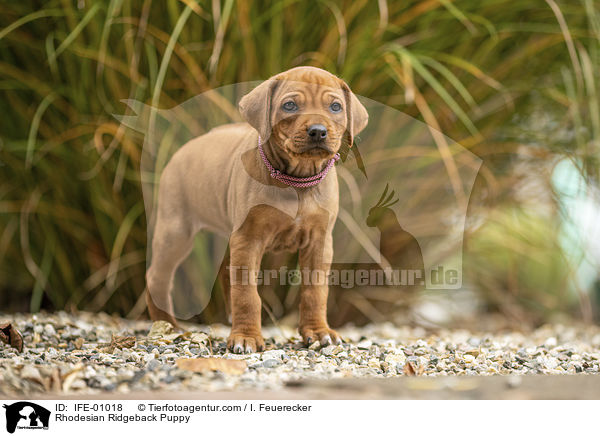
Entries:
{"x":26,"y":415}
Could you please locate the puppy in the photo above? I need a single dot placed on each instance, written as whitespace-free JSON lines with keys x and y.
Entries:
{"x":269,"y":185}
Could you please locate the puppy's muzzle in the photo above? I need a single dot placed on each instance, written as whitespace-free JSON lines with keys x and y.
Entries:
{"x":316,"y":133}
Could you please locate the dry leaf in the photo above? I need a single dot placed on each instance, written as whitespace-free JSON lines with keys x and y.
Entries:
{"x":32,"y":373}
{"x":226,"y":366}
{"x":412,"y":369}
{"x":56,"y":380}
{"x":198,"y":338}
{"x":171,"y":337}
{"x":10,"y":335}
{"x":118,"y":342}
{"x":164,"y":331}
{"x":69,"y":378}
{"x":160,"y":329}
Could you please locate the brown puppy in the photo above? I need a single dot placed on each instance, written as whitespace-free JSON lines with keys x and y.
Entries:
{"x":220,"y":182}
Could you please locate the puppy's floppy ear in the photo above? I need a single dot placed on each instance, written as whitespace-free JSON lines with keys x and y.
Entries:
{"x":255,"y":107}
{"x":357,"y":115}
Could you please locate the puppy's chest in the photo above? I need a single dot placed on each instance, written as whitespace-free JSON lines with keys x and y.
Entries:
{"x":292,"y":234}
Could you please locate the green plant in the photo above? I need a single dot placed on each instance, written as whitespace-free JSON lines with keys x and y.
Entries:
{"x":72,"y":226}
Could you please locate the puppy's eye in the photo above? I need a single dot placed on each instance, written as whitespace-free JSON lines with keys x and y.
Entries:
{"x":335,"y":107}
{"x":290,"y":106}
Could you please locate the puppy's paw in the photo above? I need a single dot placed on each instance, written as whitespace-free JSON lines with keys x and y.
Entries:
{"x":241,"y":342}
{"x":324,"y":335}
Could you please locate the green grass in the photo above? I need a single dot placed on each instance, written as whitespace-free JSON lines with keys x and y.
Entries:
{"x":72,"y":227}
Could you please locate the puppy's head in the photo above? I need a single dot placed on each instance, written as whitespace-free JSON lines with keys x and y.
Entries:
{"x":308,"y":112}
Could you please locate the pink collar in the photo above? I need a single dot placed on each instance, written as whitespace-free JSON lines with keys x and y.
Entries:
{"x":297,"y":182}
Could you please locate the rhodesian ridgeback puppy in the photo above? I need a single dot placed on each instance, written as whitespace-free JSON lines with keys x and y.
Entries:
{"x":269,"y":185}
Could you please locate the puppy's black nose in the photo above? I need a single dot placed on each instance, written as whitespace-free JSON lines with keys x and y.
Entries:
{"x":317,"y":132}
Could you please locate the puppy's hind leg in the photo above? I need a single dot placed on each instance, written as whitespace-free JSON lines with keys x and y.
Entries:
{"x":225,"y":282}
{"x":171,"y":244}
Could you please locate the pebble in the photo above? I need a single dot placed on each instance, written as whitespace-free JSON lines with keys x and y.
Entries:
{"x":364,"y":345}
{"x":49,"y":330}
{"x":78,"y":384}
{"x":273,"y":354}
{"x":375,"y":350}
{"x":469,"y":358}
{"x":153,"y":364}
{"x":271,"y":363}
{"x":328,"y":351}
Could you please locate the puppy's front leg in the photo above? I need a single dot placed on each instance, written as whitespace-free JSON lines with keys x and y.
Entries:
{"x":313,"y":295}
{"x":246,"y":254}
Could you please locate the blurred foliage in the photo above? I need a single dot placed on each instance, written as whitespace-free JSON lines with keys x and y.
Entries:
{"x":72,"y":223}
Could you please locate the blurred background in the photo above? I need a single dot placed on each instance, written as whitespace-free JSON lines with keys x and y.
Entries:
{"x":515,"y":82}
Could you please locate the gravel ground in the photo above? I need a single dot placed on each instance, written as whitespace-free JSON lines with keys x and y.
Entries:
{"x":70,"y":354}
